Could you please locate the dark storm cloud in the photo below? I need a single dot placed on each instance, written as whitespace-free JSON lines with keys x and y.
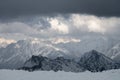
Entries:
{"x":15,"y":8}
{"x":76,"y":25}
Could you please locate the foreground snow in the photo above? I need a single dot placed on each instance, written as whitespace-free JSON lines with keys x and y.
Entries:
{"x":45,"y":75}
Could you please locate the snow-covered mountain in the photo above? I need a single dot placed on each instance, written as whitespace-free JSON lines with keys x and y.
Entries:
{"x":87,"y":43}
{"x":92,"y":61}
{"x":15,"y":54}
{"x":95,"y":61}
{"x":114,"y":53}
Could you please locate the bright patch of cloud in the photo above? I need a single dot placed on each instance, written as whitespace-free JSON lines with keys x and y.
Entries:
{"x":87,"y":23}
{"x":4,"y":42}
{"x":74,"y":25}
{"x":64,"y":40}
{"x":59,"y":26}
{"x":94,"y":26}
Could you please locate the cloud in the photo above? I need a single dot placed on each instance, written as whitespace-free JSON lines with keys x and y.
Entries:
{"x":16,"y":27}
{"x":64,"y":40}
{"x":72,"y":25}
{"x":4,"y":42}
{"x":58,"y":26}
{"x":87,"y":23}
{"x":83,"y":23}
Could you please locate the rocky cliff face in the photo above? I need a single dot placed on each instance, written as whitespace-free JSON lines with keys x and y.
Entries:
{"x":95,"y":61}
{"x":47,"y":64}
{"x":92,"y":61}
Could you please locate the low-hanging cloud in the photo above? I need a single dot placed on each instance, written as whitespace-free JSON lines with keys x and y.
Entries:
{"x":58,"y":26}
{"x":86,"y":24}
{"x":16,"y":27}
{"x":72,"y":25}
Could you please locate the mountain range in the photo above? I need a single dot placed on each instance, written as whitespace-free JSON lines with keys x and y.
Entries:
{"x":92,"y":61}
{"x":17,"y":53}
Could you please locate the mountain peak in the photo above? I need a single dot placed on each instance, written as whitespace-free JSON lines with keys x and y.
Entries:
{"x":93,"y":54}
{"x":96,"y":61}
{"x":93,"y":51}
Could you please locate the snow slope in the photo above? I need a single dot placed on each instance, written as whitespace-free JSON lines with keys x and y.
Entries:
{"x":93,"y":61}
{"x":114,"y":53}
{"x":96,"y":61}
{"x":45,"y":75}
{"x":100,"y":43}
{"x":15,"y":54}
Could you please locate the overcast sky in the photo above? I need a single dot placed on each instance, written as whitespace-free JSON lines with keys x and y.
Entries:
{"x":51,"y":18}
{"x":33,"y":7}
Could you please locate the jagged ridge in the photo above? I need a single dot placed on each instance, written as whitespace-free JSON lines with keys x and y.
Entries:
{"x":47,"y":64}
{"x":95,"y":61}
{"x":92,"y":61}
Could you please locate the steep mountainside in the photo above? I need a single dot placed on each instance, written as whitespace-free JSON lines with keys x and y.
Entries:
{"x":114,"y":53}
{"x":15,"y":54}
{"x":92,"y":61}
{"x":95,"y":61}
{"x":100,"y":43}
{"x":46,"y":64}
